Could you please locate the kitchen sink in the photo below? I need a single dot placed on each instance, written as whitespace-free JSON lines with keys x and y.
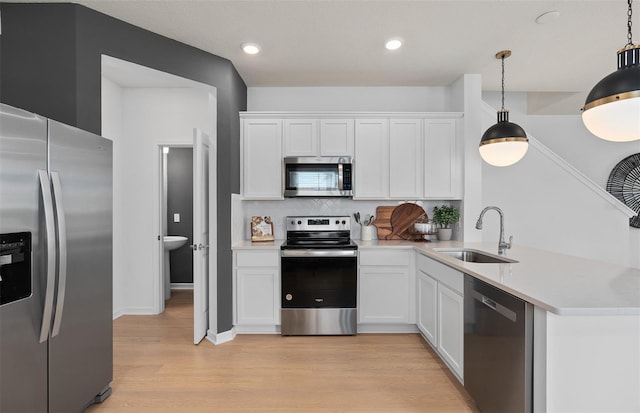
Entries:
{"x":477,"y":256}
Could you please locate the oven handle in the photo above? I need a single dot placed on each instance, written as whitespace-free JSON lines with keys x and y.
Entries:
{"x":319,"y":253}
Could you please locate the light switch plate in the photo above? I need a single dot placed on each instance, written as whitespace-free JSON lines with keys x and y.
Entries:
{"x":176,"y":217}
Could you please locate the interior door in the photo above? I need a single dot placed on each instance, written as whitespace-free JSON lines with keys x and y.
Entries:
{"x":204,"y":229}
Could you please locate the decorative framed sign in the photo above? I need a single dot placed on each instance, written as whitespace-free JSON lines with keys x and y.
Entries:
{"x":261,"y":229}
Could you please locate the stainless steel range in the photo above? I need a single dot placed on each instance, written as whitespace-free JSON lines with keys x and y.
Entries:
{"x":319,"y":277}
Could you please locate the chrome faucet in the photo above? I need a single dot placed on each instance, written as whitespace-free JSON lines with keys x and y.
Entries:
{"x":502,"y":245}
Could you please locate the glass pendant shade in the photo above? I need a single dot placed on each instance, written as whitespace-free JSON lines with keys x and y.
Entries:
{"x":612,"y":108}
{"x":504,"y":143}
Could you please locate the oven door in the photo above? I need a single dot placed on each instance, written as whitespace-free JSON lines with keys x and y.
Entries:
{"x":319,"y":278}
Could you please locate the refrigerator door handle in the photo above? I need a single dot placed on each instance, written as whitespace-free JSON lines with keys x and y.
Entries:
{"x":47,"y":200}
{"x":62,"y":249}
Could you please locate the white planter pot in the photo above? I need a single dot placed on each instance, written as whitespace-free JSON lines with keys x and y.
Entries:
{"x":444,"y":234}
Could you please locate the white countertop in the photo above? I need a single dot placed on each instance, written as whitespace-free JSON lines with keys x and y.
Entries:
{"x":262,"y":245}
{"x":558,"y":283}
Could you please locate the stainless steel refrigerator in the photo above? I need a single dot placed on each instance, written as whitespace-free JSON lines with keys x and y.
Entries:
{"x":56,"y":346}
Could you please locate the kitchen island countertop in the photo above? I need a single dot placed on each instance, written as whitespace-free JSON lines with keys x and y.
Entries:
{"x":561,"y":284}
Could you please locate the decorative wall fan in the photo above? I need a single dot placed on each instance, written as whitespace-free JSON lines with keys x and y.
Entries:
{"x":624,"y":184}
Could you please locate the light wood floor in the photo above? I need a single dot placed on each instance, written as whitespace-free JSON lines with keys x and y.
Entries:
{"x":158,"y":369}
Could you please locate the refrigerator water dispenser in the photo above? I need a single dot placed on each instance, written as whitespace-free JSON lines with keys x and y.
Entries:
{"x":15,"y":266}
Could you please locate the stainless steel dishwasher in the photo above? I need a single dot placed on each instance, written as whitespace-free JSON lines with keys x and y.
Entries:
{"x":498,"y":348}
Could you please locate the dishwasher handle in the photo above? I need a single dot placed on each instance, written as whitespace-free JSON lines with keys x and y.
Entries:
{"x":498,"y":308}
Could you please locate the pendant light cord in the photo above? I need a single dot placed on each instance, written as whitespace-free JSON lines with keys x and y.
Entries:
{"x":629,"y":23}
{"x":503,"y":80}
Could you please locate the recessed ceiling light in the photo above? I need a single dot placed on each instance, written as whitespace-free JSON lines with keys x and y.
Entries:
{"x":393,"y":44}
{"x":251,"y":48}
{"x":548,"y":17}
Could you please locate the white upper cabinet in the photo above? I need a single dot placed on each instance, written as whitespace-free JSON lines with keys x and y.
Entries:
{"x":262,"y":158}
{"x":300,"y":137}
{"x":371,"y":177}
{"x":442,"y":177}
{"x":318,"y":137}
{"x":395,"y":155}
{"x":336,"y":137}
{"x":405,"y":158}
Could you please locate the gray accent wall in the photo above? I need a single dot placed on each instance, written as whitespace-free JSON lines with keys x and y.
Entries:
{"x":180,"y":201}
{"x":50,"y":63}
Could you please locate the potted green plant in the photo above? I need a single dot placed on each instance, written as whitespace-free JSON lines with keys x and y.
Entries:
{"x":445,"y":216}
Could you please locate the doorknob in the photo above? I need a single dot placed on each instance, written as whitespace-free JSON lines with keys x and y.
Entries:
{"x":198,"y":247}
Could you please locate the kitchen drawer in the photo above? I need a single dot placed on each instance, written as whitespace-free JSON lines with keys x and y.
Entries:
{"x":452,"y":278}
{"x":385,"y":257}
{"x":257,"y":259}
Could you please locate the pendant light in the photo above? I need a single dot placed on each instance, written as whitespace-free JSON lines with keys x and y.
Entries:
{"x":505,"y":143}
{"x":612,"y":109}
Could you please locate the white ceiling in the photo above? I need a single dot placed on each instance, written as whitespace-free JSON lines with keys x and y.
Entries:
{"x":341,"y":43}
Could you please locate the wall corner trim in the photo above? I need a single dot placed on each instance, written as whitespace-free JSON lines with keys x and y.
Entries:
{"x":221,"y":338}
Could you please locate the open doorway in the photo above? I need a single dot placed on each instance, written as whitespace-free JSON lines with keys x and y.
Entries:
{"x":177,"y":216}
{"x":143,"y":110}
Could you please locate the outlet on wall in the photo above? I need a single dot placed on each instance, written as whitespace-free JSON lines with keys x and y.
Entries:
{"x":176,"y":217}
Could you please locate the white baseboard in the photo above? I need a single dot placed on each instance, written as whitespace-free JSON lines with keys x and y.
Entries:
{"x":134,"y":311}
{"x":257,"y":329}
{"x":118,"y":314}
{"x":362,"y":328}
{"x":387,"y":328}
{"x":182,"y":286}
{"x":221,"y":338}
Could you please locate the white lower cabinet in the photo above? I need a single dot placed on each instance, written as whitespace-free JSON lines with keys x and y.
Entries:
{"x":385,"y":287}
{"x":451,"y":328}
{"x":428,"y":307}
{"x":257,"y":288}
{"x":441,"y":310}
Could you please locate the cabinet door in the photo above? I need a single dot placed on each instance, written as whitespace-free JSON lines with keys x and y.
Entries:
{"x":450,"y":328}
{"x":371,"y":159}
{"x":262,"y":159}
{"x":336,"y":137}
{"x":405,"y":158}
{"x":258,"y":296}
{"x":384,"y":295}
{"x":427,"y":307}
{"x":300,"y":137}
{"x":441,"y":163}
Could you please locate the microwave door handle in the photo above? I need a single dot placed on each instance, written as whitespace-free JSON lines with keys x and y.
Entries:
{"x":340,"y":177}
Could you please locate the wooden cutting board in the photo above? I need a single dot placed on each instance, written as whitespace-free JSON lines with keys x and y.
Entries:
{"x":383,"y":221}
{"x":403,"y":218}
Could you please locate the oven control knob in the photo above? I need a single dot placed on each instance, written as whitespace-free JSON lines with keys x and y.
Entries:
{"x":344,"y":222}
{"x":337,"y":222}
{"x":293,"y":222}
{"x":288,"y":297}
{"x":299,"y":222}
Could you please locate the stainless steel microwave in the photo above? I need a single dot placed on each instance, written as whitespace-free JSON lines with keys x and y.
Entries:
{"x":318,"y":177}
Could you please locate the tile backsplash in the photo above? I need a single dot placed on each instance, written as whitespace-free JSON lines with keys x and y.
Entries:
{"x":279,"y":210}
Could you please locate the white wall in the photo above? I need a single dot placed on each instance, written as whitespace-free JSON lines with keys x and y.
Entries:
{"x":567,"y":137}
{"x":466,"y":97}
{"x":350,"y":99}
{"x":533,"y":194}
{"x":150,"y":117}
{"x":112,"y":99}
